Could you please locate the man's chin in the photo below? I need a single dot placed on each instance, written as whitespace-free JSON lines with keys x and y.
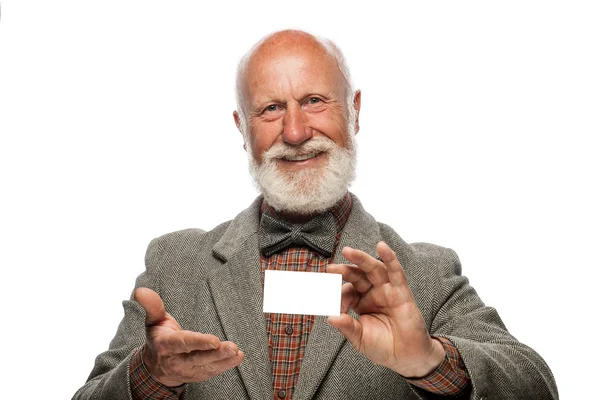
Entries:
{"x":302,"y":178}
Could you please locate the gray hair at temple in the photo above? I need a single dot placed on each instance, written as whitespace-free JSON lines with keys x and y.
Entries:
{"x":329,"y":46}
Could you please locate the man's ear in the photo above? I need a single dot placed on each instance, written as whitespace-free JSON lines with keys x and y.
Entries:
{"x":357,"y":97}
{"x":236,"y":119}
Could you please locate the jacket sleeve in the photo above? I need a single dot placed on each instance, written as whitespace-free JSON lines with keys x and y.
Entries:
{"x":109,"y":380}
{"x":500,"y":367}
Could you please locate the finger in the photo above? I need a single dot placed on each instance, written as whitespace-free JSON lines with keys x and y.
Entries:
{"x":349,"y":327}
{"x":187,"y":341}
{"x":152,"y":304}
{"x":374,"y":269}
{"x":218,"y":367}
{"x":351,"y":274}
{"x":395,"y":271}
{"x":203,"y":357}
{"x":350,"y":297}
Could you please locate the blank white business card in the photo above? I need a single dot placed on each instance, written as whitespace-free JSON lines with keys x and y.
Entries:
{"x":311,"y":293}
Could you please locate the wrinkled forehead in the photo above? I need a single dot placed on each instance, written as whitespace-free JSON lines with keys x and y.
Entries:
{"x":301,"y":68}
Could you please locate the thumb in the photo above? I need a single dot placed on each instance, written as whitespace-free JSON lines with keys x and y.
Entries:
{"x":152,"y":304}
{"x":349,"y":327}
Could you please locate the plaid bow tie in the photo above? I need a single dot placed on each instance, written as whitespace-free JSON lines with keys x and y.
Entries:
{"x":317,"y":234}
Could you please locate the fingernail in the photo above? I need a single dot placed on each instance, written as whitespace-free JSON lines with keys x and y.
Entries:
{"x":231,"y":352}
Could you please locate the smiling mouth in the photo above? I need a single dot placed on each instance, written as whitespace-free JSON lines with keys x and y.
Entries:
{"x":301,"y":157}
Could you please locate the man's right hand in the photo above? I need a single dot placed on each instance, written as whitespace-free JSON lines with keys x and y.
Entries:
{"x":174,"y":356}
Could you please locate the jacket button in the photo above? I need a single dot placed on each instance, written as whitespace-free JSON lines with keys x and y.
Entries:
{"x":289,"y":329}
{"x":281,"y":394}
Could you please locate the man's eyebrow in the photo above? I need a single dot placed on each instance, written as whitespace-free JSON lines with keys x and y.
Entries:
{"x":327,"y":95}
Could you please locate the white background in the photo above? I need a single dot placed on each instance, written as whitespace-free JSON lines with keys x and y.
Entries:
{"x":478,"y":132}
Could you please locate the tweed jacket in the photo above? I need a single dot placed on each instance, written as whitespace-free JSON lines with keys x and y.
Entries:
{"x":210,"y":282}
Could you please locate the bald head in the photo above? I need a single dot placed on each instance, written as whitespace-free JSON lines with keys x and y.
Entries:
{"x":268,"y":53}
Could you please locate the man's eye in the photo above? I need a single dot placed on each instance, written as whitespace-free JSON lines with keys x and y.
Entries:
{"x":314,"y":100}
{"x":271,"y":108}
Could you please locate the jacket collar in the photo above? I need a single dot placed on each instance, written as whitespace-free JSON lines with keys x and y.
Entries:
{"x":242,"y":227}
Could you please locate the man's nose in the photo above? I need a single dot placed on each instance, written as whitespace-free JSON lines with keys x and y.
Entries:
{"x":295,"y":128}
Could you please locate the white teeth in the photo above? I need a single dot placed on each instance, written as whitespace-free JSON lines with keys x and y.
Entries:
{"x":301,"y":157}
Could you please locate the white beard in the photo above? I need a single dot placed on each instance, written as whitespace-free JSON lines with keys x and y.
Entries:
{"x":311,"y":190}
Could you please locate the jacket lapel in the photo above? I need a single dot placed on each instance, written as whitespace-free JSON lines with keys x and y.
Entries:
{"x":360,"y":232}
{"x":236,"y":289}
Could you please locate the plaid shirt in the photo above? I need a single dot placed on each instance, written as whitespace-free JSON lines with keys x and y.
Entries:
{"x":288,"y":333}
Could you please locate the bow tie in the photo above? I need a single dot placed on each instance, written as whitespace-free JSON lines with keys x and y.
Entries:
{"x":317,"y":234}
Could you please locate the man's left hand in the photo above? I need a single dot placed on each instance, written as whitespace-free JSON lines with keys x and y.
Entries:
{"x":390,"y":330}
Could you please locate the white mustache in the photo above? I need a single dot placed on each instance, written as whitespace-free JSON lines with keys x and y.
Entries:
{"x":316,"y":145}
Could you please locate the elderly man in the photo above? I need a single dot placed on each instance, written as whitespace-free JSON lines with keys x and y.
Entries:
{"x":411,"y":326}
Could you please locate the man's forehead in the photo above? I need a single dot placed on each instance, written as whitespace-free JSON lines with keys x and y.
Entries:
{"x":294,"y":65}
{"x":302,"y":66}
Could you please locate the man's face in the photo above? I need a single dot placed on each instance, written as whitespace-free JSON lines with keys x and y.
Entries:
{"x":298,"y":131}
